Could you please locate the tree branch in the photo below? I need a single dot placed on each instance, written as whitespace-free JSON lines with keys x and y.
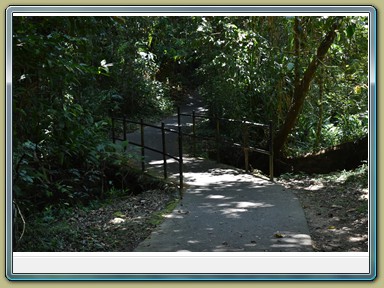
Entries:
{"x":301,"y":90}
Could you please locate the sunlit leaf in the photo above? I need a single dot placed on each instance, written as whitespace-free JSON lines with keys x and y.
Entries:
{"x":290,"y":66}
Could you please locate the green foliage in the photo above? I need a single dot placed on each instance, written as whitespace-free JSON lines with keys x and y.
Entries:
{"x":358,"y":177}
{"x":249,"y":68}
{"x":343,"y":115}
{"x":173,"y":40}
{"x":71,"y":73}
{"x":64,"y":69}
{"x":158,"y":217}
{"x":244,"y":67}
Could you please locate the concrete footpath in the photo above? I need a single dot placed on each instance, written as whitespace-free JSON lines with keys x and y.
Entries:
{"x":224,"y":209}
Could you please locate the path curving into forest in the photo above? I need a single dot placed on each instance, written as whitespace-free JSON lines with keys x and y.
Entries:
{"x":223,"y":209}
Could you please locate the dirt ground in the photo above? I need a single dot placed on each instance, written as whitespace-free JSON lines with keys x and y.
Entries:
{"x":335,"y":205}
{"x":336,"y":208}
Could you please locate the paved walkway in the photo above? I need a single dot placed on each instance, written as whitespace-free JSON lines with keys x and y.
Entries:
{"x":223,"y":209}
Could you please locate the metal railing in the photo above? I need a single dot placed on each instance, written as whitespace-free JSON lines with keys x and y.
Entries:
{"x":143,"y":146}
{"x":245,"y":135}
{"x":218,"y":140}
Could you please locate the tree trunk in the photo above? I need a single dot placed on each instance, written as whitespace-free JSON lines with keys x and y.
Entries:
{"x":320,"y":106}
{"x":301,"y":90}
{"x":297,"y":51}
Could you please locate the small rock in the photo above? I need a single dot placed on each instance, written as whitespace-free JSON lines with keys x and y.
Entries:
{"x":334,"y":247}
{"x":117,"y":220}
{"x":183,"y":212}
{"x":327,"y":249}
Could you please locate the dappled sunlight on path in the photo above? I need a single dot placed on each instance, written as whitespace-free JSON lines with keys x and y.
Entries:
{"x":223,"y":208}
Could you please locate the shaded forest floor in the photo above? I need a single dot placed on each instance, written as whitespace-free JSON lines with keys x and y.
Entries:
{"x":336,"y":208}
{"x":335,"y":205}
{"x":116,"y":224}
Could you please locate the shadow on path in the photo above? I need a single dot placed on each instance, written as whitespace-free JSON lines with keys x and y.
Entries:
{"x":223,"y":209}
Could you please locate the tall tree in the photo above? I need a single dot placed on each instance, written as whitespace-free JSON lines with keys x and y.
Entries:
{"x":301,"y":87}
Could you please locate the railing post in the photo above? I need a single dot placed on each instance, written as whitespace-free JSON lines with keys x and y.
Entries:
{"x":271,"y":150}
{"x":125,"y":132}
{"x":217,"y":139}
{"x":164,"y":150}
{"x":194,"y":132}
{"x":181,"y":162}
{"x":178,"y":116}
{"x":246,"y":145}
{"x":113,"y":130}
{"x":142,"y":145}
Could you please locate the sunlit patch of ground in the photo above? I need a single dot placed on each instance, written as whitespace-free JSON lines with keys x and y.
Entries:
{"x":336,"y":208}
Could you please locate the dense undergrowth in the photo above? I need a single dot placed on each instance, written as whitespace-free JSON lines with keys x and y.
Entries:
{"x":118,"y":222}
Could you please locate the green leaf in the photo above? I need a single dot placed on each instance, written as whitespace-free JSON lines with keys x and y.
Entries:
{"x":61,"y":158}
{"x":124,"y":144}
{"x":351,"y":30}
